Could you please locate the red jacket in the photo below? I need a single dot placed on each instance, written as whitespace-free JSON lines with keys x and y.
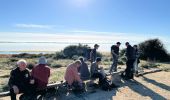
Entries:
{"x":41,"y":74}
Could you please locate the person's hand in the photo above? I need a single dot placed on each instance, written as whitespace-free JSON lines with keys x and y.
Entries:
{"x":16,"y":90}
{"x":32,"y":81}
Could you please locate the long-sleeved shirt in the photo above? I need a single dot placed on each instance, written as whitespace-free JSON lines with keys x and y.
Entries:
{"x":94,"y":68}
{"x":93,"y":55}
{"x":19,"y":78}
{"x":72,"y":74}
{"x":130,"y":52}
{"x":84,"y":71}
{"x":41,"y":74}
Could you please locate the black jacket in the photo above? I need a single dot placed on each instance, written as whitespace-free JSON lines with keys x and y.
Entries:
{"x":19,"y":78}
{"x":130,"y":53}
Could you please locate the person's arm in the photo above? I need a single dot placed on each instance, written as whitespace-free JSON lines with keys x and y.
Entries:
{"x":113,"y":53}
{"x":11,"y":81}
{"x":91,"y":54}
{"x":127,"y":52}
{"x":12,"y":84}
{"x":76,"y":75}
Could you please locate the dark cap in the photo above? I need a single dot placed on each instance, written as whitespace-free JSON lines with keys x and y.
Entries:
{"x":118,"y":43}
{"x":98,"y":59}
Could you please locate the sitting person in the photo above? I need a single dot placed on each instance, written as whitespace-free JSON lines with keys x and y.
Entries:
{"x":72,"y":76}
{"x":41,"y":74}
{"x":20,"y":81}
{"x":96,"y":71}
{"x":83,"y":70}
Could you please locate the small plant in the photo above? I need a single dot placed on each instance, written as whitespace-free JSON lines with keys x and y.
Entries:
{"x":120,"y":62}
{"x":150,"y":65}
{"x":55,"y":65}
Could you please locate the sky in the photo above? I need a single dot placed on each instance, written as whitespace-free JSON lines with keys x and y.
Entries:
{"x":84,"y":21}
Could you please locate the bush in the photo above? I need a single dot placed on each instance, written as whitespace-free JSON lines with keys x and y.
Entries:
{"x":73,"y":52}
{"x":59,"y":55}
{"x":13,"y":60}
{"x":55,"y":65}
{"x":122,"y":52}
{"x":153,"y":49}
{"x":150,"y":65}
{"x":120,"y":62}
{"x":27,"y":55}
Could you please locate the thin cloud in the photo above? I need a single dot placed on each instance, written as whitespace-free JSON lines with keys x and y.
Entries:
{"x":33,"y":26}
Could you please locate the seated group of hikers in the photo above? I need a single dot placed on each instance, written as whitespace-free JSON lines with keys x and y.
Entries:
{"x":34,"y":83}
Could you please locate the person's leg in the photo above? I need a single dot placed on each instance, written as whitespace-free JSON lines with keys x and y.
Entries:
{"x":100,"y":76}
{"x":128,"y":68}
{"x":29,"y":91}
{"x":115,"y":64}
{"x":131,"y":68}
{"x":135,"y":66}
{"x":12,"y":94}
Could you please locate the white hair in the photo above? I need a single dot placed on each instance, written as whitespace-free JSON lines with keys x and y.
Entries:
{"x":21,"y":61}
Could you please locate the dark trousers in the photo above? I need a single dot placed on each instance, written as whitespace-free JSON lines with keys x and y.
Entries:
{"x":28,"y":90}
{"x":114,"y":64}
{"x":129,"y":68}
{"x":98,"y":75}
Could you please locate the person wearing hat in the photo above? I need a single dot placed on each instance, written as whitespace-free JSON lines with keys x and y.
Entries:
{"x":41,"y":74}
{"x":93,"y":53}
{"x":115,"y":56}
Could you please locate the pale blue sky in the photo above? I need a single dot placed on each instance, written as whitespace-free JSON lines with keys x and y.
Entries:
{"x":124,"y":20}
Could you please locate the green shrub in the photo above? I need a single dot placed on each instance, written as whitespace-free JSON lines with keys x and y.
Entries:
{"x":59,"y":55}
{"x":149,"y":65}
{"x":73,"y":52}
{"x":120,"y":62}
{"x":153,"y":49}
{"x":54,"y":65}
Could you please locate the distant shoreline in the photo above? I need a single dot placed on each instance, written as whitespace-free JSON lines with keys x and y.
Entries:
{"x":29,"y":52}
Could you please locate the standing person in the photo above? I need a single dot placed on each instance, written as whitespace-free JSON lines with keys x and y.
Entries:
{"x":72,"y":76}
{"x":83,"y":70}
{"x":115,"y":56}
{"x":137,"y":61}
{"x":93,"y":53}
{"x":95,"y":70}
{"x":41,"y":74}
{"x":20,"y":81}
{"x":130,"y":61}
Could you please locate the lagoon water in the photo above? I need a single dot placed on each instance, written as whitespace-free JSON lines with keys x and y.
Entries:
{"x":47,"y":47}
{"x":36,"y":48}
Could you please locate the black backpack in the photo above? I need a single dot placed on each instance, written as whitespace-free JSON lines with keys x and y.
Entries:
{"x":105,"y":85}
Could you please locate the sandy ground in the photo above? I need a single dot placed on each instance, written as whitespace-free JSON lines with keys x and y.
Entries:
{"x":153,"y":86}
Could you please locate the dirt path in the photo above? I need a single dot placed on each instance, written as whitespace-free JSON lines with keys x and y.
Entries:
{"x":153,"y":86}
